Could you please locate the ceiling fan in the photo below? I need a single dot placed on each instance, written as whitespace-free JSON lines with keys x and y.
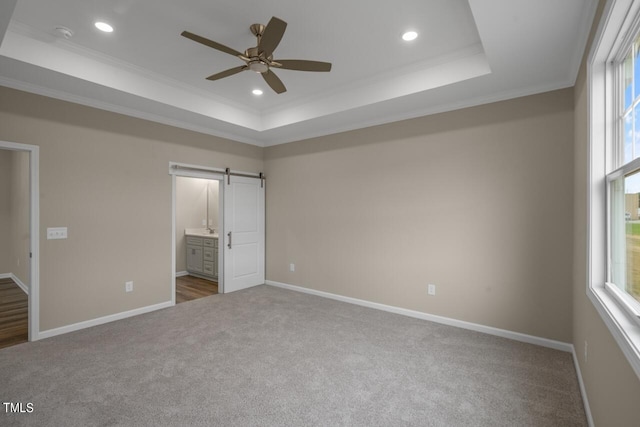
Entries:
{"x":260,"y":58}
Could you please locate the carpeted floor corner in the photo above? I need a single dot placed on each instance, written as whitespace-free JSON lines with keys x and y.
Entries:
{"x":272,"y":357}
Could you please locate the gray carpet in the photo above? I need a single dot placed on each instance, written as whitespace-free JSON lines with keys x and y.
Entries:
{"x":267,"y":356}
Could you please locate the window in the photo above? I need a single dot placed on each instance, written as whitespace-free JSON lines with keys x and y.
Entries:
{"x":614,"y":187}
{"x":623,"y":183}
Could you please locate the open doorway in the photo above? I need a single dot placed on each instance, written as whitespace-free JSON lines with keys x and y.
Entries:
{"x":197,"y":223}
{"x":19,"y":245}
{"x":240,"y":240}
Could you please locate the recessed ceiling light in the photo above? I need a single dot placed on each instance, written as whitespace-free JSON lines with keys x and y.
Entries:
{"x":257,"y":92}
{"x":409,"y":35}
{"x":103,"y":26}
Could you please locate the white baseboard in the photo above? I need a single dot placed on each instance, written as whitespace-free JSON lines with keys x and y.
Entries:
{"x":544,"y":342}
{"x":583,"y":389}
{"x":517,"y":336}
{"x":182,"y":273}
{"x":16,"y":280}
{"x":101,"y":320}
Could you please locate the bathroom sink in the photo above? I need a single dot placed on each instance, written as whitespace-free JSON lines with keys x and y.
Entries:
{"x":199,"y":232}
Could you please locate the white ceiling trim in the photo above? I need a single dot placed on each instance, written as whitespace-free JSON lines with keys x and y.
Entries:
{"x":588,"y":14}
{"x":24,"y":44}
{"x":145,"y":114}
{"x":454,"y":68}
{"x":123,"y":77}
{"x":334,"y":124}
{"x":525,"y":48}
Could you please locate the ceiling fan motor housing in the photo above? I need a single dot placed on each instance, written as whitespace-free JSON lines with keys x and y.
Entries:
{"x":255,"y":61}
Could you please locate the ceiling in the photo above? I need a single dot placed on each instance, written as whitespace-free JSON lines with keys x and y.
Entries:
{"x":468,"y":52}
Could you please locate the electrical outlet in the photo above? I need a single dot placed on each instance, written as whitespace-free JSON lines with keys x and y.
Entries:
{"x":431,"y":289}
{"x":204,"y":222}
{"x":128,"y":286}
{"x":292,"y":267}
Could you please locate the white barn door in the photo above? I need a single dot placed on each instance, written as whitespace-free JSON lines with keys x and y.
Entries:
{"x":244,"y":238}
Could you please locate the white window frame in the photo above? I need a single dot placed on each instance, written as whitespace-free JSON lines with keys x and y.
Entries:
{"x":619,"y":21}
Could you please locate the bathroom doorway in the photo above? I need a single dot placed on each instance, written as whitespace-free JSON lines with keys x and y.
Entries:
{"x":197,"y":220}
{"x":240,"y":236}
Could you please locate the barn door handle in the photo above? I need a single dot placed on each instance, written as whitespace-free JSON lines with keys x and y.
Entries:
{"x":229,"y":244}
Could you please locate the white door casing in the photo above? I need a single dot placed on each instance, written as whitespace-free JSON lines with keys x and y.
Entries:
{"x":34,"y":236}
{"x":244,"y":233}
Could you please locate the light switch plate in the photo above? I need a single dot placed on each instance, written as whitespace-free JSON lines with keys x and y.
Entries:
{"x":54,"y":233}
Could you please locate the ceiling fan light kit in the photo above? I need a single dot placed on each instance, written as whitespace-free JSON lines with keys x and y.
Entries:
{"x":259,"y":66}
{"x":260,"y":58}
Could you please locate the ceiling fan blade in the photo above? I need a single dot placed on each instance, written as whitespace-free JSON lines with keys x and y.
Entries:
{"x":227,"y":73}
{"x":274,"y":82}
{"x":302,"y":65}
{"x":271,"y":36}
{"x":210,"y":43}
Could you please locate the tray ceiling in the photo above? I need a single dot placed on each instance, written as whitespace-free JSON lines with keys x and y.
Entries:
{"x":467,"y":53}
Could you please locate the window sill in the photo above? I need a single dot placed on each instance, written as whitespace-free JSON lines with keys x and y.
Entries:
{"x":625,"y":301}
{"x":624,"y":328}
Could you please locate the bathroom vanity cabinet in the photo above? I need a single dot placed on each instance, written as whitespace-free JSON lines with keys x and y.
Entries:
{"x":202,"y":256}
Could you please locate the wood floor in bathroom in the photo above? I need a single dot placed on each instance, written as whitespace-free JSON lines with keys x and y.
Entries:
{"x":190,"y":287}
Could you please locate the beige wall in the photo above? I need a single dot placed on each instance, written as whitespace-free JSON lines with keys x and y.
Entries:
{"x":191,"y":207}
{"x":613,"y":389}
{"x":19,"y":221}
{"x":477,"y":201}
{"x":105,"y":177}
{"x":374,"y":214}
{"x":5,"y":211}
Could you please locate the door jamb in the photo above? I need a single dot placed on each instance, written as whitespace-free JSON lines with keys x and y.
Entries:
{"x":203,"y":172}
{"x":34,"y":233}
